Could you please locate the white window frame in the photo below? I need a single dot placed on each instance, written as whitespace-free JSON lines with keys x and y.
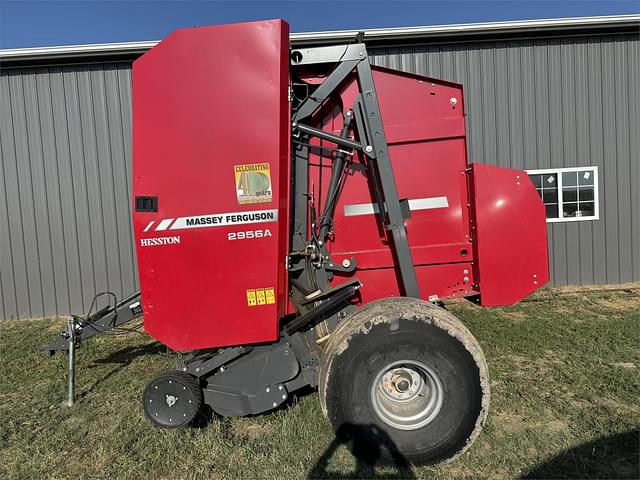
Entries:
{"x":558,"y":172}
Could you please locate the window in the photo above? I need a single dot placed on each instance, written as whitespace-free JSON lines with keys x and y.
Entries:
{"x":568,"y":194}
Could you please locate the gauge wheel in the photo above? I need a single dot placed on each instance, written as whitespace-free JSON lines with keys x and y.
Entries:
{"x":403,"y":380}
{"x":172,"y":399}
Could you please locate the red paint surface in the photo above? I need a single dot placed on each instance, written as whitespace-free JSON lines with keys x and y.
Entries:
{"x":511,"y":245}
{"x":426,"y":135}
{"x":496,"y":257}
{"x":204,"y":100}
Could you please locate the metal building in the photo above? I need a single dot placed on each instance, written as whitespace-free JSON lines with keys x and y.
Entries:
{"x":559,"y":98}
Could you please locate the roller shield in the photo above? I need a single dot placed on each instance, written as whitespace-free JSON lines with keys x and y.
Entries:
{"x":510,"y":235}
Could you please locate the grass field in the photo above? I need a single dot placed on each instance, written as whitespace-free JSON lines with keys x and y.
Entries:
{"x":565,"y":380}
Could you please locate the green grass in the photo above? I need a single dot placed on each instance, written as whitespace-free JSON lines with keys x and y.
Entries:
{"x":565,"y":379}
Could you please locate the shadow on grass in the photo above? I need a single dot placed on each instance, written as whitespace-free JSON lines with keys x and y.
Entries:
{"x":127,"y":355}
{"x":367,"y":443}
{"x":613,"y":457}
{"x":123,"y":359}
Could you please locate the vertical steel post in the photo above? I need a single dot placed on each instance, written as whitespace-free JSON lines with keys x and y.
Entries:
{"x":382,"y":163}
{"x":71,"y":373}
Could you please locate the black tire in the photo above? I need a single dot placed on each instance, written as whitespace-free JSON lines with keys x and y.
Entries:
{"x":400,"y":336}
{"x":186,"y":400}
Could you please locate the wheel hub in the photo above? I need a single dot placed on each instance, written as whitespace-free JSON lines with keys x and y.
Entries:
{"x":170,"y":402}
{"x":407,"y":395}
{"x":401,"y":384}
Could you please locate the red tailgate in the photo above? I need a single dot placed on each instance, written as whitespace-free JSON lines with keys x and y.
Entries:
{"x":510,"y":235}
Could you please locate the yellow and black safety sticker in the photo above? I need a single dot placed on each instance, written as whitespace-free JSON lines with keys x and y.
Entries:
{"x":271,"y":296}
{"x":253,"y":183}
{"x":251,"y":298}
{"x":261,"y":296}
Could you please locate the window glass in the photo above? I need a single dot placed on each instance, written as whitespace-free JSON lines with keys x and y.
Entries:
{"x":569,"y":209}
{"x":569,"y":179}
{"x":585,"y":177}
{"x":586,"y":209}
{"x":586,"y":194}
{"x":537,"y":180}
{"x":550,"y":195}
{"x":547,"y":187}
{"x":567,"y":193}
{"x":551,"y":211}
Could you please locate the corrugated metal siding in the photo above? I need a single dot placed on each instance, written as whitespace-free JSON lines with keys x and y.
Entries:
{"x":65,"y":155}
{"x":65,"y":229}
{"x":547,"y":103}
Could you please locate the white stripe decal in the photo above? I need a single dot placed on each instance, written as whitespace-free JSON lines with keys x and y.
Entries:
{"x":148,"y":226}
{"x":428,"y":203}
{"x":164,"y":224}
{"x":223,"y":219}
{"x":414,"y":204}
{"x":361,"y":209}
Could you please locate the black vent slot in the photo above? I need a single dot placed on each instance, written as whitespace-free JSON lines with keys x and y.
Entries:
{"x":146,"y":204}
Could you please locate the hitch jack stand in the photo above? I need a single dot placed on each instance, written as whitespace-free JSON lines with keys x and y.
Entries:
{"x":71,"y":373}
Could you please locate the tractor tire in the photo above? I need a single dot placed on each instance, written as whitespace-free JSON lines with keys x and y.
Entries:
{"x":404,"y":381}
{"x":173,"y":399}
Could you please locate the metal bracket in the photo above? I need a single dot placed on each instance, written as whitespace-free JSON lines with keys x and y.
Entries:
{"x":109,"y":317}
{"x":326,"y":303}
{"x":205,"y":363}
{"x":330,"y":54}
{"x":348,"y":266}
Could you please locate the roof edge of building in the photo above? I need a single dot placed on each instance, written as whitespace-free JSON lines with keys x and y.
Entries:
{"x":376,"y":35}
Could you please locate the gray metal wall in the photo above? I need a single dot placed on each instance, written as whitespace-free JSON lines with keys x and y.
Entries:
{"x":65,"y":233}
{"x":65,"y":158}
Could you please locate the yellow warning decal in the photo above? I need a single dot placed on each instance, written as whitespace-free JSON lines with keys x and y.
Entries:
{"x":271,"y":296}
{"x":251,"y":298}
{"x":253,"y":183}
{"x":261,"y":296}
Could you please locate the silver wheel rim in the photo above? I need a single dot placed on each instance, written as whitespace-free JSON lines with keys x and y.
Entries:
{"x":407,"y":395}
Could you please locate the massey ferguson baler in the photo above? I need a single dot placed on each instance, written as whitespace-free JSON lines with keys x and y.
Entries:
{"x":300,"y":215}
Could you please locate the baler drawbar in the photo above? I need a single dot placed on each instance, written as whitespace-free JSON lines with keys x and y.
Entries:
{"x":300,"y":216}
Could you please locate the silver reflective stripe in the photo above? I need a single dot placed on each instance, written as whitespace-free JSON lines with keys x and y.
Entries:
{"x":164,"y":224}
{"x":361,"y":209}
{"x":427,"y":203}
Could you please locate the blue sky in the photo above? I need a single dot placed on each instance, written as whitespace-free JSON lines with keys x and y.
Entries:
{"x":26,"y":23}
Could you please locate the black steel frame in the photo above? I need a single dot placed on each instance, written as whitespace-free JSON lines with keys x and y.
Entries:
{"x":349,"y":60}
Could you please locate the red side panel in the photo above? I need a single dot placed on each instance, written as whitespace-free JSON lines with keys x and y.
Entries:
{"x":511,"y":235}
{"x":424,"y":126}
{"x":497,"y":250}
{"x":210,"y":141}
